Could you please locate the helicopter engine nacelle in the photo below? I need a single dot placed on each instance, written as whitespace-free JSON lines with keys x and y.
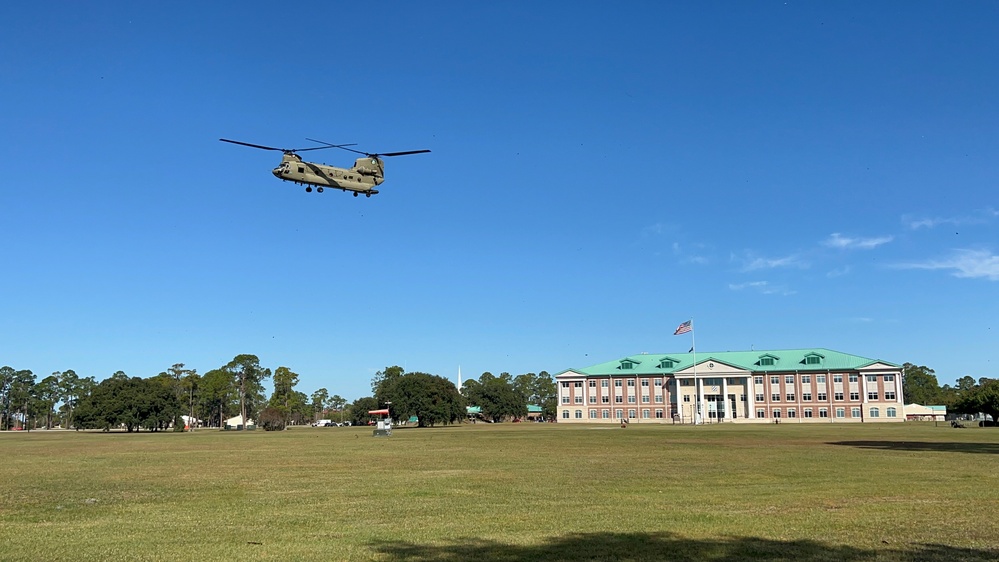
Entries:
{"x":369,"y":167}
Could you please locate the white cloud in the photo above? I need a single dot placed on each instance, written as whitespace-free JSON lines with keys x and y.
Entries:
{"x":763,"y":287}
{"x":754,"y":263}
{"x":980,"y":217}
{"x":964,"y":263}
{"x":837,"y":240}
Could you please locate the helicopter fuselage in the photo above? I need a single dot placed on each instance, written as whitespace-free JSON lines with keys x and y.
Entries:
{"x":366,"y":174}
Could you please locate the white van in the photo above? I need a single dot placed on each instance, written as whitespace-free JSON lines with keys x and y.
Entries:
{"x":323,"y":423}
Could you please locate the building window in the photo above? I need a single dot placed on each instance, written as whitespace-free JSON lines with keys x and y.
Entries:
{"x":821,"y":379}
{"x":758,"y":380}
{"x":593,"y":414}
{"x":791,"y":413}
{"x":631,"y":414}
{"x":889,"y":378}
{"x":872,"y":378}
{"x":565,"y":399}
{"x":854,"y":378}
{"x":788,"y":379}
{"x":806,"y":396}
{"x":777,"y":413}
{"x":891,"y":412}
{"x":619,"y":414}
{"x":854,"y":412}
{"x":686,"y":398}
{"x":631,"y":398}
{"x":742,"y":398}
{"x":579,"y":414}
{"x":775,"y":397}
{"x":626,"y":365}
{"x":837,"y":378}
{"x":593,"y":399}
{"x":761,"y":413}
{"x":657,"y":383}
{"x":605,"y":414}
{"x":838,"y":396}
{"x":565,"y":385}
{"x":790,"y":397}
{"x":760,"y":397}
{"x":605,"y":399}
{"x":872,"y":395}
{"x":822,"y":396}
{"x":646,"y":414}
{"x":875,"y":412}
{"x":593,"y":384}
{"x":578,"y":384}
{"x":823,"y":412}
{"x":631,"y":383}
{"x":618,"y":400}
{"x":812,"y":360}
{"x":565,"y":414}
{"x":766,"y":361}
{"x":617,"y":383}
{"x":840,"y":412}
{"x":659,"y":398}
{"x":659,"y":414}
{"x":808,"y":412}
{"x":603,"y":383}
{"x":889,"y":395}
{"x":578,"y":399}
{"x":645,"y":382}
{"x":645,"y":399}
{"x":854,"y":396}
{"x":775,"y":380}
{"x":806,"y":379}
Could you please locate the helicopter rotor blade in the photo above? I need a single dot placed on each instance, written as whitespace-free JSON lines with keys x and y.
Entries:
{"x":402,"y":153}
{"x":368,"y":154}
{"x":285,"y":150}
{"x":251,"y":145}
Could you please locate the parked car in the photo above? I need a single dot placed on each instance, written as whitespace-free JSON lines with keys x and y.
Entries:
{"x":323,"y":423}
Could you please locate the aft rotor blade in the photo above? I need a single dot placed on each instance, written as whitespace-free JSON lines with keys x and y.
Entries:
{"x":402,"y":153}
{"x":343,"y":146}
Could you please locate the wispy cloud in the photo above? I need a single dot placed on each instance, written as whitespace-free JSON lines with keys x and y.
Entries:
{"x":964,"y":263}
{"x":981,"y":217}
{"x":752,"y":262}
{"x":763,"y":287}
{"x":837,"y":240}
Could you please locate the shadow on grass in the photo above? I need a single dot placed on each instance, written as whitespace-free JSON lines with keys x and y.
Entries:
{"x":666,"y":546}
{"x":979,"y":448}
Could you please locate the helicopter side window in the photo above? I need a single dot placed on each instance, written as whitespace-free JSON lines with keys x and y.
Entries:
{"x":301,"y":169}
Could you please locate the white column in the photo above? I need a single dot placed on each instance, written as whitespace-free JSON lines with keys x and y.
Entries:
{"x":728,"y":415}
{"x":700,"y":410}
{"x":750,"y":398}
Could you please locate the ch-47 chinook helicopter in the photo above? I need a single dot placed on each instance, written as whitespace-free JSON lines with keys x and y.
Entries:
{"x":367,"y":172}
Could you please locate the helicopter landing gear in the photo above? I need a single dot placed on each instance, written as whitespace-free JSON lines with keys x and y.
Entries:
{"x":367,"y":194}
{"x":308,"y":190}
{"x":355,"y":194}
{"x":319,"y":190}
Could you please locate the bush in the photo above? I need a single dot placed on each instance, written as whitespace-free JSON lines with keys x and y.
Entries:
{"x":272,"y":419}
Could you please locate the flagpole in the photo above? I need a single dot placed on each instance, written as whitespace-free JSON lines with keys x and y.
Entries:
{"x":697,"y":388}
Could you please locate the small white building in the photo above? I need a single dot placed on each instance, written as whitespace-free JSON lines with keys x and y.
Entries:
{"x":236,"y":422}
{"x":917,"y":412}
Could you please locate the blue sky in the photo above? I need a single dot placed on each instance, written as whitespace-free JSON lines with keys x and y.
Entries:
{"x":788,"y":174}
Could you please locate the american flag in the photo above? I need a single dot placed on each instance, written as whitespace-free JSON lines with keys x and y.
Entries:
{"x":683,"y":328}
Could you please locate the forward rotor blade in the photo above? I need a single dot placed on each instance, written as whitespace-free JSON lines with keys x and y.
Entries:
{"x":252,"y":145}
{"x":343,"y":146}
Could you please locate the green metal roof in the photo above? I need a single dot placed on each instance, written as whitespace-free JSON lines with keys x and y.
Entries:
{"x":783,"y":360}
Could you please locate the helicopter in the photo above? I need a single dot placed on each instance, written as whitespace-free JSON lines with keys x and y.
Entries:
{"x":367,"y":173}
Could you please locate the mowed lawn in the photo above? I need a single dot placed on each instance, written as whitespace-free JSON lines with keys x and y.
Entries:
{"x":505,"y":492}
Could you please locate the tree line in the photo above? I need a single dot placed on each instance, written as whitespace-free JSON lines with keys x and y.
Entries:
{"x":237,"y":388}
{"x":967,"y":396}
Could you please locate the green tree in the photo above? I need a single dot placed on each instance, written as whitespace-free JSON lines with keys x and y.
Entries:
{"x":496,"y":396}
{"x":359,"y":410}
{"x":919,"y":385}
{"x":248,"y":377}
{"x":191,"y":386}
{"x":337,"y":403}
{"x":319,"y":399}
{"x":218,"y":396}
{"x":284,"y":387}
{"x":385,"y":377}
{"x":539,"y":390}
{"x":432,"y":399}
{"x":20,"y":397}
{"x":47,"y":394}
{"x":7,"y":374}
{"x":983,"y":398}
{"x":129,"y":402}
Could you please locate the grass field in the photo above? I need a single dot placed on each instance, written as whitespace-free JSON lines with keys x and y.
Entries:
{"x":505,"y":492}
